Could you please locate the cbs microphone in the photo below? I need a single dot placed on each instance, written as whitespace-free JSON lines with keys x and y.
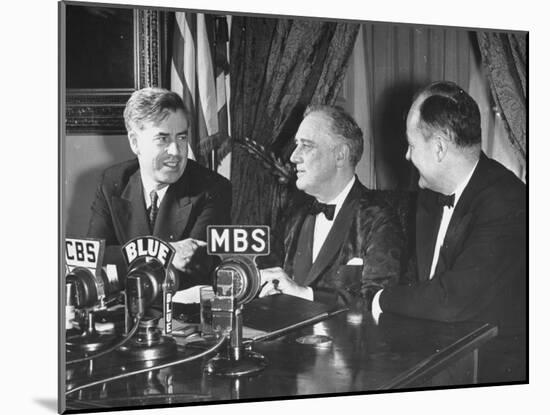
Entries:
{"x":88,"y":283}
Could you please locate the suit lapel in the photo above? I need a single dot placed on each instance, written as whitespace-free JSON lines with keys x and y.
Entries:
{"x":336,"y":236}
{"x":174,"y":211}
{"x":476,"y":183}
{"x":129,"y":215}
{"x":428,"y":219}
{"x":462,"y":215}
{"x":292,"y":232}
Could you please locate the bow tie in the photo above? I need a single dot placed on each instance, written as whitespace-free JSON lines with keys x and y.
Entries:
{"x":444,"y":200}
{"x":317,"y":207}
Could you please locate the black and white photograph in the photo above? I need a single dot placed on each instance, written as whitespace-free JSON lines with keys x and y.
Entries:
{"x":266,"y":207}
{"x":279,"y":208}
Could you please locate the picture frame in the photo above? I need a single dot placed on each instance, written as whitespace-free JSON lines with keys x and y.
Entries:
{"x":91,"y":106}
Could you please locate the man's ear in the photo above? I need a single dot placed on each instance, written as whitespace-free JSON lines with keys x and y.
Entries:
{"x":132,"y":139}
{"x":342,"y":154}
{"x":442,"y":145}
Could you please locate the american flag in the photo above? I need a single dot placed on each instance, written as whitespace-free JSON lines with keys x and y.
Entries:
{"x":200,"y":74}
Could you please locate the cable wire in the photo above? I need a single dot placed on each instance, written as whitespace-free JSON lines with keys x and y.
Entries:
{"x":158,"y":367}
{"x":110,"y":349}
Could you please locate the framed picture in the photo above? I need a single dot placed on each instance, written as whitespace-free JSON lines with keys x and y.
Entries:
{"x":216,"y":248}
{"x":110,"y":53}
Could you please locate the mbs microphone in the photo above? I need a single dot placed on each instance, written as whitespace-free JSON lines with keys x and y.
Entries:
{"x":236,"y":282}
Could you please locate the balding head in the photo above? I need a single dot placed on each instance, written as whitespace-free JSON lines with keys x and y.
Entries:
{"x":445,"y":108}
{"x":444,"y":135}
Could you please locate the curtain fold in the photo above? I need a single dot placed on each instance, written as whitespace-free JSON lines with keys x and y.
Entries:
{"x":504,"y":57}
{"x":279,"y":67}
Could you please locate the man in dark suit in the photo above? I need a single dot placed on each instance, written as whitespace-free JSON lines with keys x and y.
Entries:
{"x":471,"y":221}
{"x":162,"y":193}
{"x":340,"y":242}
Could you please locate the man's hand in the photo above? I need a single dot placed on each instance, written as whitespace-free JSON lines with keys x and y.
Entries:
{"x":276,"y":281}
{"x":185,"y":249}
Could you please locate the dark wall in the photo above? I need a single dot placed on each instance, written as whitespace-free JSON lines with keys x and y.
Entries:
{"x":85,"y":157}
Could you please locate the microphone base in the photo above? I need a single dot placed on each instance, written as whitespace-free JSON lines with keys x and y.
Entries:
{"x":89,"y":342}
{"x":248,"y":363}
{"x":149,"y":343}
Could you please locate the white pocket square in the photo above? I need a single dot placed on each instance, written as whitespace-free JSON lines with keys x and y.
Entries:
{"x":355,"y":261}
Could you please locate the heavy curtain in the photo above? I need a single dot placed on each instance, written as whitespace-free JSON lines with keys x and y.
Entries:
{"x":279,"y":67}
{"x":390,"y":63}
{"x":504,"y":57}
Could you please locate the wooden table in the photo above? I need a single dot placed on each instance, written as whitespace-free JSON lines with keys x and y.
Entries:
{"x":363,"y":356}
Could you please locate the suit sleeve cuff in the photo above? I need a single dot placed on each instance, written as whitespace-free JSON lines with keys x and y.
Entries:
{"x":376,"y":309}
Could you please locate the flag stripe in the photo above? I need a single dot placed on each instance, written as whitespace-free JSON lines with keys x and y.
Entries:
{"x":227,"y":77}
{"x":189,"y":56}
{"x":205,"y":77}
{"x":183,"y":71}
{"x":179,"y":78}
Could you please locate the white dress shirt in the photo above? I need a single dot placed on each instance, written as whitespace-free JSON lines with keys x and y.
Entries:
{"x":445,"y":220}
{"x":323,"y":226}
{"x":148,"y":187}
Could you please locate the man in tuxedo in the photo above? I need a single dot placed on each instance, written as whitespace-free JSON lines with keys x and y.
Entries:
{"x":471,"y":223}
{"x":340,"y":242}
{"x":161,"y":193}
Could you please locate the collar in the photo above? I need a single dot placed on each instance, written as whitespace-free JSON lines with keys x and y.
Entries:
{"x":148,"y":187}
{"x":341,"y":197}
{"x":460,"y":188}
